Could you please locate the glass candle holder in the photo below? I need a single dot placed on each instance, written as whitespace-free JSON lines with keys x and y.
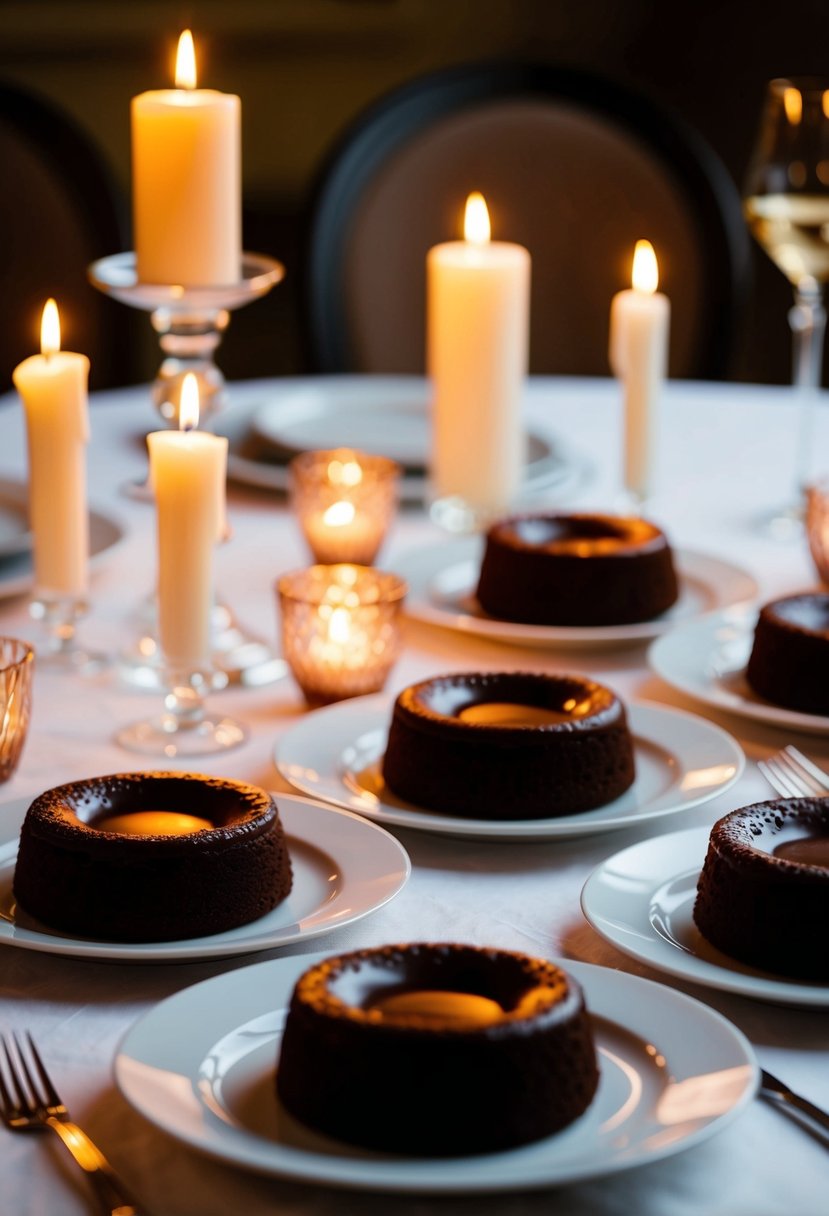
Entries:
{"x":817,"y":527}
{"x":340,"y":631}
{"x":16,"y":667}
{"x":344,"y":501}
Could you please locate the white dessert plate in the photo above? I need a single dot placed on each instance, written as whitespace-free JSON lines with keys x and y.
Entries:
{"x":442,"y":579}
{"x":641,"y":901}
{"x":681,"y":760}
{"x":16,"y":561}
{"x":201,"y":1066}
{"x":387,"y":415}
{"x":344,"y":868}
{"x":706,"y":659}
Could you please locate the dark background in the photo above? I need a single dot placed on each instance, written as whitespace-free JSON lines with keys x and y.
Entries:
{"x":305,"y":68}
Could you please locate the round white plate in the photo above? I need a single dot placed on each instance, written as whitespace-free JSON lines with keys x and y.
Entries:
{"x":384,"y":414}
{"x":201,"y":1066}
{"x":706,"y":659}
{"x":344,"y":868}
{"x":16,"y":563}
{"x":681,"y":760}
{"x":442,"y":579}
{"x":642,"y":902}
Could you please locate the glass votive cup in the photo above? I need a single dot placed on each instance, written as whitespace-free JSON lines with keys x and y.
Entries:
{"x":16,"y":666}
{"x":817,"y":526}
{"x":344,"y":501}
{"x":340,"y":629}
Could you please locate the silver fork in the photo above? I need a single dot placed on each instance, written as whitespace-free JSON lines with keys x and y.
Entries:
{"x":802,"y":1110}
{"x":793,"y":775}
{"x":29,"y":1102}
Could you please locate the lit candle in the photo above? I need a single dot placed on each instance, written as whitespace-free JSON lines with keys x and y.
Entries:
{"x":187,"y":473}
{"x":186,"y":173}
{"x":339,"y":628}
{"x":478,"y":307}
{"x":344,"y":501}
{"x":53,"y":388}
{"x":639,"y":329}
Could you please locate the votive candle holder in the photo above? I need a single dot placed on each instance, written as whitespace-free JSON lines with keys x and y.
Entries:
{"x":344,"y":501}
{"x":16,"y":666}
{"x":340,"y":629}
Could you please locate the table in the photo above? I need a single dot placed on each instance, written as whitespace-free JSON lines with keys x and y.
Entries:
{"x":725,"y":457}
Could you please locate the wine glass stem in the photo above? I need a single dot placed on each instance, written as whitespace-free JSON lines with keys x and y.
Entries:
{"x":807,"y":319}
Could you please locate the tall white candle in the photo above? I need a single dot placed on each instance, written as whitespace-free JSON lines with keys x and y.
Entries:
{"x":187,"y":473}
{"x":53,"y":388}
{"x":186,"y":181}
{"x":478,"y":308}
{"x":640,"y":320}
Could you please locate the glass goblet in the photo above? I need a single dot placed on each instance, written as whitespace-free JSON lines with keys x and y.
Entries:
{"x":786,"y":205}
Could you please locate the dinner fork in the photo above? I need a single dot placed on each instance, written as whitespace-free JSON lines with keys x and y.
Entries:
{"x":29,"y":1102}
{"x":801,"y":1109}
{"x":793,"y":775}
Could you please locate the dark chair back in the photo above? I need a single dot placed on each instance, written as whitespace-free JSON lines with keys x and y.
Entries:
{"x":60,"y":209}
{"x":575,"y":167}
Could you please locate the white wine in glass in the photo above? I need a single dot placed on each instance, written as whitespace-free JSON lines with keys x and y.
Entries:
{"x":786,"y":205}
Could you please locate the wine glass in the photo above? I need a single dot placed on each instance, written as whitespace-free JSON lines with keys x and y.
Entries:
{"x":786,"y":206}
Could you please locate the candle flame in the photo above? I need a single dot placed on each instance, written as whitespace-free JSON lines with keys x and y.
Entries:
{"x":188,"y":410}
{"x":186,"y":62}
{"x":476,"y":220}
{"x":793,"y":105}
{"x":339,"y":514}
{"x":344,"y":472}
{"x":825,"y":103}
{"x":50,"y":328}
{"x":645,"y":268}
{"x":339,"y":626}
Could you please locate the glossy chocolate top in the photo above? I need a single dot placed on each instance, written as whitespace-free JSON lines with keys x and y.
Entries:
{"x":578,"y":535}
{"x":808,"y":612}
{"x":445,"y":987}
{"x":509,"y":701}
{"x":77,"y":815}
{"x":788,"y":835}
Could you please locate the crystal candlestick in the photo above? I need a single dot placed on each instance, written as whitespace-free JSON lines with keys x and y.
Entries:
{"x":189,"y":321}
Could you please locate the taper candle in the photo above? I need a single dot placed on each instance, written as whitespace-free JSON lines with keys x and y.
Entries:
{"x":187,"y":474}
{"x":53,"y":389}
{"x":186,"y":175}
{"x":639,"y":331}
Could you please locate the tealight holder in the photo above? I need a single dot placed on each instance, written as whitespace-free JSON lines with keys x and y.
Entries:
{"x":189,"y":321}
{"x":340,"y":629}
{"x":344,"y":501}
{"x":16,"y":666}
{"x":817,"y":527}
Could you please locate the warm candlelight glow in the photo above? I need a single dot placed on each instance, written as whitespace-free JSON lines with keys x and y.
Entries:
{"x":793,"y":105}
{"x":188,"y":410}
{"x":645,"y":268}
{"x":339,"y":628}
{"x":186,"y":62}
{"x":339,"y":514}
{"x":50,"y":329}
{"x":825,"y":103}
{"x":344,"y":473}
{"x":476,"y":228}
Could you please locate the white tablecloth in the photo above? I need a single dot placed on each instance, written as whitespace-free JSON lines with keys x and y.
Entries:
{"x":725,"y":458}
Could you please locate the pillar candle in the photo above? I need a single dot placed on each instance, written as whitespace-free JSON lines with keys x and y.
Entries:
{"x":186,"y":181}
{"x":53,"y":388}
{"x":639,"y":331}
{"x":478,"y":307}
{"x":187,"y":473}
